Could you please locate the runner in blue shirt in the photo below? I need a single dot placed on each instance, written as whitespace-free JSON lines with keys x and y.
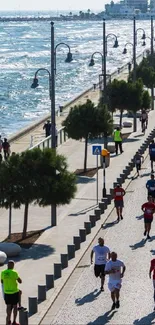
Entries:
{"x":150,"y":185}
{"x":152,"y":153}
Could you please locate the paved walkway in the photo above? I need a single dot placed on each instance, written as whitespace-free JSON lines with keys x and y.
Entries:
{"x":53,"y":242}
{"x":81,"y":302}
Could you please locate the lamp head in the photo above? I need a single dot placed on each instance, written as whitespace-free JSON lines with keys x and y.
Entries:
{"x":143,"y":44}
{"x":116,"y":44}
{"x":69,"y":57}
{"x":144,"y":36}
{"x":92,"y":62}
{"x":35,"y":83}
{"x":124,"y":51}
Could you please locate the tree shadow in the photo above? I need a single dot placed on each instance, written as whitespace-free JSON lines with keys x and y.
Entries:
{"x":36,"y":252}
{"x":140,"y":217}
{"x":138,"y":245}
{"x":152,"y":251}
{"x":90,"y":297}
{"x":103,"y":319}
{"x":149,"y":319}
{"x":84,"y":211}
{"x":85,"y":180}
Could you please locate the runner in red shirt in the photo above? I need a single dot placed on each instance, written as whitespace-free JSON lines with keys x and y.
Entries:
{"x":152,"y":268}
{"x":119,"y":192}
{"x":149,"y":209}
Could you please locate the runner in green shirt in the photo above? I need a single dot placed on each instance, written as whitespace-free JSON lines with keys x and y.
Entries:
{"x":10,"y":280}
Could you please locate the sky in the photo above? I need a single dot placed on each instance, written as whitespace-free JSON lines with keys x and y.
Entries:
{"x":52,"y":5}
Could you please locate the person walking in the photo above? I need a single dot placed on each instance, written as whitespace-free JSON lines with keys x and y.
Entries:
{"x":6,"y":148}
{"x":118,"y":140}
{"x":150,"y":185}
{"x":144,"y":120}
{"x":47,"y":128}
{"x":152,"y":154}
{"x":119,"y":193}
{"x":152,"y":269}
{"x":149,"y":209}
{"x":10,"y":279}
{"x":115,"y":269}
{"x":139,"y":159}
{"x":102,"y":254}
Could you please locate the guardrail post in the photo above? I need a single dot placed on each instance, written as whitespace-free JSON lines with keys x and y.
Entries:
{"x":57,"y":270}
{"x":49,"y":281}
{"x":77,"y":242}
{"x":23,"y":317}
{"x":64,"y":260}
{"x":41,"y":292}
{"x":71,"y":251}
{"x":33,"y":305}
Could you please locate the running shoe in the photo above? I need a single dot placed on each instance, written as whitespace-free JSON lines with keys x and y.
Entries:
{"x":14,"y":323}
{"x":148,"y":237}
{"x":102,"y":289}
{"x":145,"y":233}
{"x":22,"y":308}
{"x":118,"y":219}
{"x":117,"y":304}
{"x":154,"y":308}
{"x":113,"y":306}
{"x":121,"y":218}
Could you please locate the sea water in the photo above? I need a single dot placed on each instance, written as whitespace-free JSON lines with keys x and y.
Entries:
{"x":25,"y":47}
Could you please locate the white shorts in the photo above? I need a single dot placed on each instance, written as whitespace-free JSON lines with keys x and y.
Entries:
{"x":115,"y":284}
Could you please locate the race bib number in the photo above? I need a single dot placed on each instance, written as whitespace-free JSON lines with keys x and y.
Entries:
{"x":152,"y":188}
{"x":118,"y":193}
{"x":100,"y":258}
{"x":138,"y":161}
{"x":148,"y":211}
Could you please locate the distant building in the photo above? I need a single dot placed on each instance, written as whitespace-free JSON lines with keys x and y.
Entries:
{"x":118,"y":9}
{"x":152,"y":5}
{"x":138,"y":4}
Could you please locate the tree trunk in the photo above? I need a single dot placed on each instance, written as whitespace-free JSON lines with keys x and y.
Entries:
{"x":25,"y":220}
{"x":152,"y":98}
{"x":135,"y":122}
{"x":85,"y":154}
{"x":121,"y":116}
{"x":10,"y":221}
{"x":105,"y":140}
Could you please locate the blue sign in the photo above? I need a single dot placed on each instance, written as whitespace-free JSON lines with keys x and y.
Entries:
{"x":96,"y":150}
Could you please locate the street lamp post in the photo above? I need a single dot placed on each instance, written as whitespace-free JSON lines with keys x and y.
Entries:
{"x":103,"y":55}
{"x":35,"y":84}
{"x":134,"y":44}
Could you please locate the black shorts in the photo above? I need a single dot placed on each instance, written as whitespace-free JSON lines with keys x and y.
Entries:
{"x":138,"y":166}
{"x":99,"y":270}
{"x":148,"y":220}
{"x":152,"y":158}
{"x":11,"y":299}
{"x":152,"y":194}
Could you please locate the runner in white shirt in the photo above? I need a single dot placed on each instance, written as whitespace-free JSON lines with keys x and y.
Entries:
{"x":102,"y":254}
{"x":115,"y":268}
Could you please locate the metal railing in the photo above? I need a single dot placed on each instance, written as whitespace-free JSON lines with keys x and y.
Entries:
{"x":46,"y":143}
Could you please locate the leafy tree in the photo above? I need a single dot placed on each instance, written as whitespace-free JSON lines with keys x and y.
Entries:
{"x":104,"y":123}
{"x":117,"y":93}
{"x":81,"y":123}
{"x":10,"y":186}
{"x":56,"y":184}
{"x":135,"y":97}
{"x":146,"y":99}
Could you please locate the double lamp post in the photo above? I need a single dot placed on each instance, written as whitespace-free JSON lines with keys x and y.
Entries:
{"x":35,"y":84}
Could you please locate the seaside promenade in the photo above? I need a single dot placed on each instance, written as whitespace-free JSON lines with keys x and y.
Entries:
{"x":53,"y":242}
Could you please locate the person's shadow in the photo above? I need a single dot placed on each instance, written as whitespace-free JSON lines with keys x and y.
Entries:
{"x":103,"y":319}
{"x":138,"y":245}
{"x":90,"y":297}
{"x":146,"y":320}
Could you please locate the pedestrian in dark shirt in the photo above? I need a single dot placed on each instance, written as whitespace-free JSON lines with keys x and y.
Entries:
{"x":6,"y":149}
{"x":47,"y":128}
